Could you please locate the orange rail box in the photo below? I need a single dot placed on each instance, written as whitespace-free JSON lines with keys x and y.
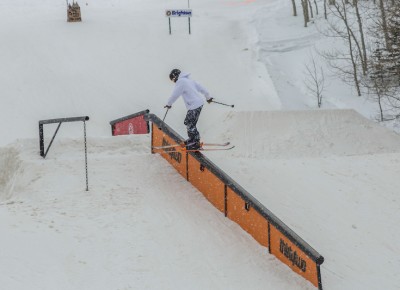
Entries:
{"x":238,"y":205}
{"x":249,"y":219}
{"x":207,"y":183}
{"x":175,"y":158}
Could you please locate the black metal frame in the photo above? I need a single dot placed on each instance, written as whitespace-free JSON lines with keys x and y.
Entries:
{"x":60,"y":121}
{"x":52,"y":121}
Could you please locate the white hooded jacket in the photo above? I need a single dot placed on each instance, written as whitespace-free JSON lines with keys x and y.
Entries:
{"x":190,"y":91}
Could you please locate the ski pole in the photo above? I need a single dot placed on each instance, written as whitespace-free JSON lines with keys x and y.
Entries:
{"x":166,"y":112}
{"x":222,"y":104}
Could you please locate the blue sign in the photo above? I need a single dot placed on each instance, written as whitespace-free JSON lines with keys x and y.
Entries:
{"x":178,"y":13}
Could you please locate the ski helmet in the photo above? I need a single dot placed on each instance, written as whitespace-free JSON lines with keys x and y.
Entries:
{"x":173,"y":76}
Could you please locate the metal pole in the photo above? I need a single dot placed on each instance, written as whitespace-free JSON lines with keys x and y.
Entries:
{"x":222,"y":104}
{"x":163,"y":120}
{"x":189,"y":17}
{"x":41,"y":140}
{"x":166,"y":112}
{"x":169,"y":20}
{"x":86,"y":166}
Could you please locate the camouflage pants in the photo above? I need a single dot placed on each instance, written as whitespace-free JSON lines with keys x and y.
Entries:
{"x":191,"y":119}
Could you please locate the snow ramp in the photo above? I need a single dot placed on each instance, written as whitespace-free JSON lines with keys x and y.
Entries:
{"x":140,"y":225}
{"x":237,"y":204}
{"x":314,"y":133}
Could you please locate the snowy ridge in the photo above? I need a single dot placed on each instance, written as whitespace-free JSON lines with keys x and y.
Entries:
{"x":294,"y":134}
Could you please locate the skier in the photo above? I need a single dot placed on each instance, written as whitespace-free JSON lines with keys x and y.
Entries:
{"x":191,"y":92}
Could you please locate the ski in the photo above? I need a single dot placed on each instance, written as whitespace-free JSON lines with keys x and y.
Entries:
{"x":201,"y":149}
{"x":216,"y":144}
{"x":202,"y":144}
{"x":168,"y":146}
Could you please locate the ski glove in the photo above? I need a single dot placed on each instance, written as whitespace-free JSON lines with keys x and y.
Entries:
{"x":210,"y":100}
{"x":168,"y":107}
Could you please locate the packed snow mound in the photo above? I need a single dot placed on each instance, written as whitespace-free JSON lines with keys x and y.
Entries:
{"x":9,"y":168}
{"x":22,"y":167}
{"x":310,"y":133}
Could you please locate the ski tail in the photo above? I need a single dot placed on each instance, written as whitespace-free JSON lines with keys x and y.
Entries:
{"x":216,"y":144}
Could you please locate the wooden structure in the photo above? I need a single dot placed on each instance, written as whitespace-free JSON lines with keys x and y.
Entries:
{"x":74,"y":12}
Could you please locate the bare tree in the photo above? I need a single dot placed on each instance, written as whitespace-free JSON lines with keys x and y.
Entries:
{"x":345,"y":63}
{"x":294,"y":8}
{"x":363,"y":51}
{"x":311,"y":9}
{"x":315,"y":80}
{"x":343,"y":13}
{"x":386,"y":96}
{"x":351,"y":50}
{"x":375,"y":68}
{"x":316,"y":7}
{"x":308,"y":12}
{"x":304,"y":4}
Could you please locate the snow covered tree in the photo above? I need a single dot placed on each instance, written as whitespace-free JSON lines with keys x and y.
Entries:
{"x":384,"y":62}
{"x":379,"y":83}
{"x":393,"y":52}
{"x":386,"y":59}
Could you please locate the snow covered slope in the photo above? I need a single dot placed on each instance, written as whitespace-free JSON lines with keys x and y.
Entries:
{"x":140,"y":225}
{"x":306,"y":133}
{"x":330,"y":175}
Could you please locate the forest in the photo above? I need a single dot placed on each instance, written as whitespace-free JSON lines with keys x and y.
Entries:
{"x":369,"y":55}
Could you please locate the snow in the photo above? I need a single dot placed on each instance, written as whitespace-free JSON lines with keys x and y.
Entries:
{"x":331,"y":175}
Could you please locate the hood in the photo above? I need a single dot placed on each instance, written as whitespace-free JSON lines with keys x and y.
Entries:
{"x":183,"y":75}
